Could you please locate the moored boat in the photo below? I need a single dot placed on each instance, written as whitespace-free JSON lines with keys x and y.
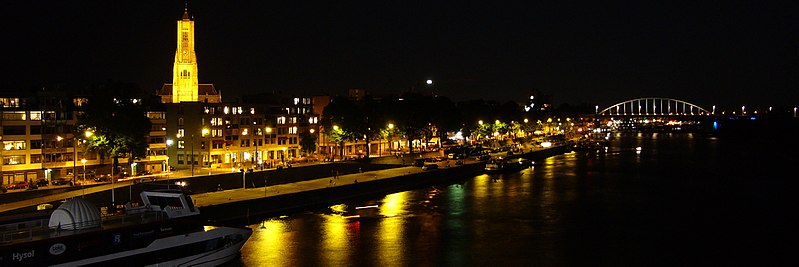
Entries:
{"x":165,"y":231}
{"x":502,"y":165}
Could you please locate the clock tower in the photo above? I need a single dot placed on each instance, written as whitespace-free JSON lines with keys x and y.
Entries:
{"x":184,"y":77}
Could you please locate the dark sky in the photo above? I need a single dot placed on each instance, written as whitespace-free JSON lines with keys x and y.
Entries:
{"x":597,"y":52}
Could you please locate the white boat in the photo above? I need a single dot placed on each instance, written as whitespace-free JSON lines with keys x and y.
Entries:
{"x":165,"y":231}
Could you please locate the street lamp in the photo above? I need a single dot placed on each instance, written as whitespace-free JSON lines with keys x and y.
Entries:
{"x":390,"y":137}
{"x":83,"y":185}
{"x":268,"y":131}
{"x":205,"y":132}
{"x":244,"y":133}
{"x":341,"y":151}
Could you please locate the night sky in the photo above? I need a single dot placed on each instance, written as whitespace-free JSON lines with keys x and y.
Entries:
{"x":597,"y":52}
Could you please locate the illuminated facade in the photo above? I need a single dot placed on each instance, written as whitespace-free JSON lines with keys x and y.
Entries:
{"x":184,"y":77}
{"x":185,"y":86}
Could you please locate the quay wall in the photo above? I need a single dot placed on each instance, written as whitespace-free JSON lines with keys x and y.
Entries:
{"x":249,"y":211}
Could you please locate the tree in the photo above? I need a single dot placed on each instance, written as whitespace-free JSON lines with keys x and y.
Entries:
{"x":308,"y":143}
{"x":116,"y":117}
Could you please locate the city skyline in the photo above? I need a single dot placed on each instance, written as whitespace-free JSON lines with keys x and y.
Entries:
{"x":739,"y":54}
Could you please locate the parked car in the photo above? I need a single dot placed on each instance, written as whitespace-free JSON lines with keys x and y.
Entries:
{"x":42,"y":182}
{"x":102,"y":178}
{"x":429,"y":167}
{"x":418,"y":162}
{"x":60,"y":181}
{"x":18,"y":185}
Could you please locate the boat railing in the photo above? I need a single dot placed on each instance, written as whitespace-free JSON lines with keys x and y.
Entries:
{"x":22,"y":230}
{"x":39,"y":228}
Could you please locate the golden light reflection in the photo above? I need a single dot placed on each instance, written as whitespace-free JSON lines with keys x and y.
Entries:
{"x":336,"y":240}
{"x":481,"y":185}
{"x":549,"y":164}
{"x":390,"y":244}
{"x":393,"y":204}
{"x":391,"y":231}
{"x":270,"y":243}
{"x":497,"y":187}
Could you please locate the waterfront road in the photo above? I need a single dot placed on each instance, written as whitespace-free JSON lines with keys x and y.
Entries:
{"x":219,"y":197}
{"x":240,"y":194}
{"x":235,"y":195}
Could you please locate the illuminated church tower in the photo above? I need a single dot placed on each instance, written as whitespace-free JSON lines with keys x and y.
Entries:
{"x":185,"y":86}
{"x":184,"y":77}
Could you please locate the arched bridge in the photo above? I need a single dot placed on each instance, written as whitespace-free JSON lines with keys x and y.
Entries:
{"x":654,"y":106}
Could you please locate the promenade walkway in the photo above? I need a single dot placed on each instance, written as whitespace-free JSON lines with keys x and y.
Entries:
{"x":235,"y":195}
{"x":243,"y":194}
{"x":225,"y":196}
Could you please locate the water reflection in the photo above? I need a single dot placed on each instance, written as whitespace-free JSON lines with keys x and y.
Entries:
{"x":615,"y":206}
{"x":270,"y":244}
{"x":337,"y":237}
{"x":390,"y":243}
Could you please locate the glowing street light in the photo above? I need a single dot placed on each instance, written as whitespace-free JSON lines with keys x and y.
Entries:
{"x":429,"y":82}
{"x":83,"y":185}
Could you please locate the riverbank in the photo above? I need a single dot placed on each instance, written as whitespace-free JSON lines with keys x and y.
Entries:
{"x":244,"y":204}
{"x":274,"y":191}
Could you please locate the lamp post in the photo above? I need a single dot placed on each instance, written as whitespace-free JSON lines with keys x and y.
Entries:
{"x":192,"y":155}
{"x":341,"y":149}
{"x":390,"y":137}
{"x":252,"y":160}
{"x":268,"y":131}
{"x":83,"y":185}
{"x":205,"y":132}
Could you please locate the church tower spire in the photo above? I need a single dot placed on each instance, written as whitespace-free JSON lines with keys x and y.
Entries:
{"x":184,"y":78}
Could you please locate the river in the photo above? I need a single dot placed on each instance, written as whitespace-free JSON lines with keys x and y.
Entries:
{"x":683,"y":199}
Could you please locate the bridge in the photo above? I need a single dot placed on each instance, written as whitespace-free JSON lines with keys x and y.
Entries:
{"x":654,"y":106}
{"x":655,"y":114}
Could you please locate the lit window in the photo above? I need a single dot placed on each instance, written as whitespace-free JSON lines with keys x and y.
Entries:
{"x":281,"y":120}
{"x":181,"y":133}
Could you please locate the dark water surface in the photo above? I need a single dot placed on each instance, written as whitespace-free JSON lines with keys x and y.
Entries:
{"x":684,"y":199}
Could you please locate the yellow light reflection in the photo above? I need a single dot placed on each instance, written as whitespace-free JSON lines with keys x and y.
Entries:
{"x":391,"y":231}
{"x":393,"y":204}
{"x":335,"y":240}
{"x":390,"y":245}
{"x":481,"y":185}
{"x":271,"y":243}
